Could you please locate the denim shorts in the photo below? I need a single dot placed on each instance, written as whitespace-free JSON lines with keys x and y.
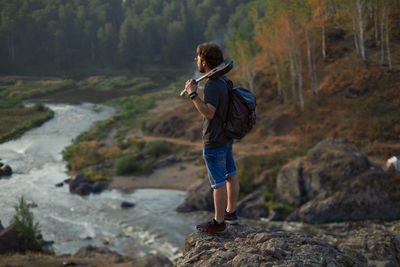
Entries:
{"x":220,"y":164}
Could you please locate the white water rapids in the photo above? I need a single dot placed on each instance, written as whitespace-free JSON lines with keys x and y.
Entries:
{"x":72,"y":221}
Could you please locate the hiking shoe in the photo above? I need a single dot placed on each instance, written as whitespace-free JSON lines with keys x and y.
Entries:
{"x":231,"y":218}
{"x":212,"y":227}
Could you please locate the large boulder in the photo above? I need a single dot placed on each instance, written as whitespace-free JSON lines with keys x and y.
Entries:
{"x":81,"y":185}
{"x":335,"y":182}
{"x":252,"y":205}
{"x":371,"y":195}
{"x":199,"y":196}
{"x":245,"y":246}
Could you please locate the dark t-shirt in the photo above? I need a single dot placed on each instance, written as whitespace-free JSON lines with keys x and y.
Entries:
{"x":216,"y":94}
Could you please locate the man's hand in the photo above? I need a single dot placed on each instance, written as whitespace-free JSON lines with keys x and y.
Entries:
{"x":191,"y":86}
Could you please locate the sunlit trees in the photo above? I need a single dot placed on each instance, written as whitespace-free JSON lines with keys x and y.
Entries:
{"x":288,"y":35}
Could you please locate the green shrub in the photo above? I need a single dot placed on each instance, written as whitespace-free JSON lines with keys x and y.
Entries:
{"x":281,"y":208}
{"x":157,"y":148}
{"x":28,"y":230}
{"x":39,"y":107}
{"x":126,"y":165}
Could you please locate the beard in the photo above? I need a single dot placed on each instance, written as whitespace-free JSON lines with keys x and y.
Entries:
{"x":201,"y":68}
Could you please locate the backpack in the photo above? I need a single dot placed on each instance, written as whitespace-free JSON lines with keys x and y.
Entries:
{"x":241,"y":115}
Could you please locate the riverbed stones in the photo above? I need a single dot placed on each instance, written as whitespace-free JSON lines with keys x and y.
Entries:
{"x":336,"y":182}
{"x":246,"y":246}
{"x":81,"y":185}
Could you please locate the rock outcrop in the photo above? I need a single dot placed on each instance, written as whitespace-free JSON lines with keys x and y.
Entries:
{"x":336,"y":182}
{"x":245,"y":246}
{"x":380,"y":247}
{"x":81,"y":185}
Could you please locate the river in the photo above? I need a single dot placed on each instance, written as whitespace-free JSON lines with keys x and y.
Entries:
{"x":72,"y":221}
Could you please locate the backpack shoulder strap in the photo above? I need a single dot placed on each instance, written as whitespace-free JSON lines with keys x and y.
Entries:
{"x":226,"y":81}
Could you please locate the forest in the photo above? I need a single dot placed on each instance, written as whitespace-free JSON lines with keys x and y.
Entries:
{"x":50,"y":34}
{"x":283,"y":41}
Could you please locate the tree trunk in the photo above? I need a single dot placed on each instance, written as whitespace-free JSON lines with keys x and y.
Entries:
{"x":278,"y":82}
{"x":382,"y":29}
{"x":389,"y":57}
{"x":356,"y":43}
{"x":299,"y":71}
{"x":323,"y":38}
{"x":311,"y":70}
{"x":293,"y":79}
{"x":314,"y":64}
{"x":360,"y":7}
{"x":11,"y":47}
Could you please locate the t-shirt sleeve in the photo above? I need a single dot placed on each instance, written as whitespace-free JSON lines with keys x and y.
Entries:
{"x":211,"y":95}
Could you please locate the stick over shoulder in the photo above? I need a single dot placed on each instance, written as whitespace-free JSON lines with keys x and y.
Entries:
{"x":219,"y":70}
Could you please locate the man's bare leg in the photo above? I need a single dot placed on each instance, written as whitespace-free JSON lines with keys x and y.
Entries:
{"x":220,"y":199}
{"x":232,"y":188}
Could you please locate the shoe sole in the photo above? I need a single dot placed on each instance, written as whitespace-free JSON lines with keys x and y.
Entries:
{"x":232,"y":222}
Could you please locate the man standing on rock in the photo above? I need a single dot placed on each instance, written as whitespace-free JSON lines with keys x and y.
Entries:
{"x":217,"y":148}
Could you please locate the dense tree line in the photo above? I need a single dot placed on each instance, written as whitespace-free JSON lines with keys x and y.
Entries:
{"x":113,"y":33}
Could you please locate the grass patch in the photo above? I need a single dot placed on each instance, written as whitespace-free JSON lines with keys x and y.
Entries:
{"x":17,"y":120}
{"x":83,"y":154}
{"x":136,"y":84}
{"x":23,"y":90}
{"x":381,"y":109}
{"x":157,"y":148}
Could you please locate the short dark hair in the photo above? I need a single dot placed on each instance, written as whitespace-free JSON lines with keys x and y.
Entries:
{"x":211,"y":53}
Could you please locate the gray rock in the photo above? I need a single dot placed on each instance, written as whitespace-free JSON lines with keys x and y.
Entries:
{"x":199,"y":196}
{"x":151,"y":260}
{"x":252,"y":206}
{"x":59,"y":184}
{"x":334,"y":182}
{"x":245,"y":246}
{"x":5,"y":170}
{"x":371,"y":195}
{"x":127,"y":205}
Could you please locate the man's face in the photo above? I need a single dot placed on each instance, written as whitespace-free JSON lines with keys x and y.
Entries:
{"x":200,"y":64}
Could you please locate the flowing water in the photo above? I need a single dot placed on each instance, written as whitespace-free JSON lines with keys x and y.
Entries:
{"x":72,"y":221}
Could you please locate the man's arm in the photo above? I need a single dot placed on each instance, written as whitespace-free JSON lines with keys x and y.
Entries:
{"x":206,"y":110}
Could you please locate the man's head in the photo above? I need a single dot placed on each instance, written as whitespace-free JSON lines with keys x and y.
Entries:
{"x":209,"y":55}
